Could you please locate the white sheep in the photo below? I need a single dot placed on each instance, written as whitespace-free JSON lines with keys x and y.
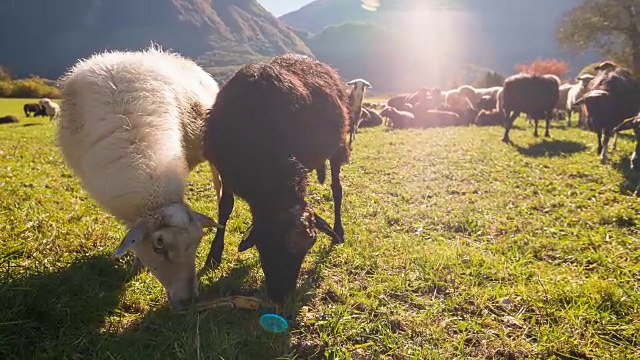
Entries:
{"x":475,"y":94}
{"x":131,"y":128}
{"x":563,"y":93}
{"x":52,"y":109}
{"x":575,"y":93}
{"x":356,"y":96}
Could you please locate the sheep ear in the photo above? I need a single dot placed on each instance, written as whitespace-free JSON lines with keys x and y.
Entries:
{"x":249,"y":240}
{"x":351,"y":82}
{"x":204,"y":220}
{"x":136,"y":233}
{"x":368,"y":85}
{"x":323,"y":226}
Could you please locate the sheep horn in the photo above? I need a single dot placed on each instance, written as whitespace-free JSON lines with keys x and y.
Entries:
{"x":136,"y":233}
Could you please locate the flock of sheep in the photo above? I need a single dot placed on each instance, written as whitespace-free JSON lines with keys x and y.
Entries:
{"x":133,"y":125}
{"x":44,"y":107}
{"x":605,"y":101}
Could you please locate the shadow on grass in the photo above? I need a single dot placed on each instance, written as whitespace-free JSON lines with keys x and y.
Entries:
{"x":631,"y":180}
{"x":551,"y":148}
{"x":31,"y":124}
{"x":220,"y":333}
{"x":74,"y":313}
{"x":59,"y":314}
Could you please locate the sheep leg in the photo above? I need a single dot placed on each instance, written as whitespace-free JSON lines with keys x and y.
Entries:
{"x":535,"y":131}
{"x":336,"y":189}
{"x":605,"y":144}
{"x":599,"y":142}
{"x":217,"y":245}
{"x":546,"y":129}
{"x":615,"y":141}
{"x":510,"y":118}
{"x":569,"y":113}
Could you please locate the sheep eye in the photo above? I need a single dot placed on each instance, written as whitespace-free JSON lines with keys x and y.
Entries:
{"x":158,"y":245}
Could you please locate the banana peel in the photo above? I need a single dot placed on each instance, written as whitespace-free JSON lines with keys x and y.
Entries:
{"x":231,"y":302}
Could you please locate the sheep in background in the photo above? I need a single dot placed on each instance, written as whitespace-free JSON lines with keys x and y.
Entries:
{"x":475,"y":94}
{"x":614,"y":96}
{"x":52,"y":109}
{"x":271,"y":123}
{"x":489,"y":118}
{"x":9,"y":119}
{"x":32,"y":108}
{"x":131,"y":130}
{"x":370,"y":119}
{"x":632,"y":123}
{"x":535,"y":95}
{"x":576,"y":92}
{"x":356,"y":96}
{"x":561,"y":105}
{"x":398,"y":119}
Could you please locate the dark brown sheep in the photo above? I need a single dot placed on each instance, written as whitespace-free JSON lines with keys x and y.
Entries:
{"x":34,"y":108}
{"x":532,"y":94}
{"x":613,"y":96}
{"x":271,"y":124}
{"x":9,"y":119}
{"x":398,"y":119}
{"x":370,"y":119}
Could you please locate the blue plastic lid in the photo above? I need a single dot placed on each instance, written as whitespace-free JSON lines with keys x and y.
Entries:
{"x":273,"y":323}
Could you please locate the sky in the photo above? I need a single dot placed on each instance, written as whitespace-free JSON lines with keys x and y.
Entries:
{"x":281,"y":7}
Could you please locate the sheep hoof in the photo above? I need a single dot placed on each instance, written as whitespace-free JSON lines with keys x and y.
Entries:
{"x":505,"y":140}
{"x":213,"y":262}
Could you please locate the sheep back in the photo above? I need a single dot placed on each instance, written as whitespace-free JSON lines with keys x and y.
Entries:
{"x":268,"y":112}
{"x":131,"y":127}
{"x":535,"y":95}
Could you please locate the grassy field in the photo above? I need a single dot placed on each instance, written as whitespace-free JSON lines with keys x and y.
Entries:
{"x":457,"y":246}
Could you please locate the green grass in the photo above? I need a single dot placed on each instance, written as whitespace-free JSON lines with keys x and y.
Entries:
{"x":457,"y":246}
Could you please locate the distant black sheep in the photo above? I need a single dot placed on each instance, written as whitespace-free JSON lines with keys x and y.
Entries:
{"x":271,"y":124}
{"x":535,"y":95}
{"x":34,"y":108}
{"x":9,"y":119}
{"x":613,"y":96}
{"x":370,"y":119}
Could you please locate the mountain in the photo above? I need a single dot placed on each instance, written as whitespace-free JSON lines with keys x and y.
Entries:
{"x":48,"y":36}
{"x":412,"y":43}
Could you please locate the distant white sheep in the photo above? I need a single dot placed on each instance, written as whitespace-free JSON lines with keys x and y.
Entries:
{"x":356,"y":96}
{"x":575,"y":93}
{"x":52,"y":109}
{"x":475,"y":94}
{"x":131,"y":128}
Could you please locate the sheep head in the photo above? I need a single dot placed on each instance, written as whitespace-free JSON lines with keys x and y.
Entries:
{"x":166,"y":244}
{"x":283,"y":240}
{"x":606,"y":66}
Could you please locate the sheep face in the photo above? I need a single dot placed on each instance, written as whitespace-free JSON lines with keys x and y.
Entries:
{"x":167,"y":245}
{"x":283,"y":242}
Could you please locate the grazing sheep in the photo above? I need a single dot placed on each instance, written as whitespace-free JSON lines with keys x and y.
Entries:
{"x":398,"y":119}
{"x":614,"y":96}
{"x":131,"y":130}
{"x":52,"y":109}
{"x":271,"y":124}
{"x":34,"y":108}
{"x":535,"y":95}
{"x":370,"y":119}
{"x":489,"y":118}
{"x":576,"y":92}
{"x":356,"y":96}
{"x":9,"y":119}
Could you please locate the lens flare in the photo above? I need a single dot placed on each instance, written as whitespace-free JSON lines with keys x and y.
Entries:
{"x":371,"y":5}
